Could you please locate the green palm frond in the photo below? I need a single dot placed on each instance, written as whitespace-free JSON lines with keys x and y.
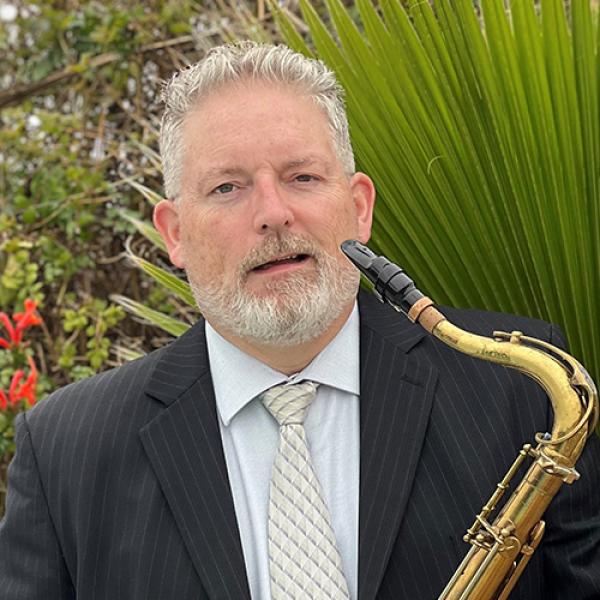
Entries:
{"x":145,"y":228}
{"x":148,"y":193}
{"x":481,"y":132}
{"x":155,"y":317}
{"x":170,"y":282}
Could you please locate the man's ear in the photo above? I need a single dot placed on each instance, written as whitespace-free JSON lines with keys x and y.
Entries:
{"x":166,"y":220}
{"x":363,"y":193}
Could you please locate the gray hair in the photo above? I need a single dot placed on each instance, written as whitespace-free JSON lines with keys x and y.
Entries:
{"x":248,"y":60}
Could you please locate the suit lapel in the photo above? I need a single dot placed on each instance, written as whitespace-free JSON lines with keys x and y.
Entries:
{"x":184,"y":447}
{"x":395,"y":403}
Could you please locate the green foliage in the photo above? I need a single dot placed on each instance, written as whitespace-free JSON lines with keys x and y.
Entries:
{"x":482,"y":135}
{"x":66,"y":193}
{"x":19,"y":275}
{"x":171,"y":325}
{"x":88,"y":324}
{"x":25,"y":265}
{"x":78,"y":161}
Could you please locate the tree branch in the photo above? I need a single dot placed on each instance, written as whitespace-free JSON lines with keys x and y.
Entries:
{"x":18,"y":93}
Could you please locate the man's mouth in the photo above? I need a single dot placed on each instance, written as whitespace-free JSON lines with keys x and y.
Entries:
{"x":283,"y":260}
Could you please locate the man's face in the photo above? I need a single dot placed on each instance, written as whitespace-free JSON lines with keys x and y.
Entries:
{"x":264,"y":207}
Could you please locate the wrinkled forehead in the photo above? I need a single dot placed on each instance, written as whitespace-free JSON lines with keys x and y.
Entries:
{"x":249,"y":105}
{"x":247,"y":127}
{"x":248,"y":87}
{"x":246,"y":124}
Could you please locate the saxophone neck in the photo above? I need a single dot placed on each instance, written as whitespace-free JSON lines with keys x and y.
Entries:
{"x":571,"y":391}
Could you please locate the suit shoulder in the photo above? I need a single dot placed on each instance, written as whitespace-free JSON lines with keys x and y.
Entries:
{"x":385,"y":320}
{"x":103,"y":391}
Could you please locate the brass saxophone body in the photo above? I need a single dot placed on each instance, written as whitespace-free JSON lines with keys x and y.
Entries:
{"x":501,"y":548}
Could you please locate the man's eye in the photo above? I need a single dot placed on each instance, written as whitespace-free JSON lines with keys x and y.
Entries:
{"x":224,"y":188}
{"x":304,"y":177}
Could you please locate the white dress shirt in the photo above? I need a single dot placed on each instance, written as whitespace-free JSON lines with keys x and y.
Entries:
{"x":250,"y":437}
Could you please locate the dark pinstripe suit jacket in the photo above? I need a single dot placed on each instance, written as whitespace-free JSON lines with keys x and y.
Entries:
{"x":119,"y":489}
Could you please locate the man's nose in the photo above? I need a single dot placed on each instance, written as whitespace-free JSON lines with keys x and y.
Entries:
{"x":271,"y":207}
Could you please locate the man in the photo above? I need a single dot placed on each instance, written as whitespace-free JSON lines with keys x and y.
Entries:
{"x":169,"y":477}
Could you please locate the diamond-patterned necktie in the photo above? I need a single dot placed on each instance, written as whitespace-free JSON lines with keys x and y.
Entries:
{"x":304,"y":561}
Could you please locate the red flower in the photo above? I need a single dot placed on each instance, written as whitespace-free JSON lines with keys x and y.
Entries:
{"x":22,"y":320}
{"x":9,"y":327}
{"x":20,"y":391}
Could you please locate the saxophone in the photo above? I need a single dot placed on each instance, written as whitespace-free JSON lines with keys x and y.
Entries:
{"x":500,"y":549}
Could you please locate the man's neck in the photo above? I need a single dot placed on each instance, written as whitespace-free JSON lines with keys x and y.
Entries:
{"x":288,"y":359}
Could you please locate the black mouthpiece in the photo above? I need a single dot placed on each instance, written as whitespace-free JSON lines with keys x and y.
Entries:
{"x":392,"y":284}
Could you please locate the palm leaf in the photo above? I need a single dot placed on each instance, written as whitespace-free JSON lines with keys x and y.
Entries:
{"x":169,"y":324}
{"x":482,"y":134}
{"x":145,"y":228}
{"x":148,"y":193}
{"x":170,"y":282}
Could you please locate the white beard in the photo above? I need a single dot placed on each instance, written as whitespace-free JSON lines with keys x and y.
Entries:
{"x":297,"y":308}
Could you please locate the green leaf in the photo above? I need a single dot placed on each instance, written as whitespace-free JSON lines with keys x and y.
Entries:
{"x":149,"y":194}
{"x":482,"y":134}
{"x":168,"y":280}
{"x":127,"y":354}
{"x":152,"y":155}
{"x":291,"y":34}
{"x":145,"y":228}
{"x":169,"y":324}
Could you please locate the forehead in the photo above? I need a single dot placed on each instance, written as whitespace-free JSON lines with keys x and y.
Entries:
{"x":260,"y":115}
{"x":253,"y":95}
{"x":255,"y":104}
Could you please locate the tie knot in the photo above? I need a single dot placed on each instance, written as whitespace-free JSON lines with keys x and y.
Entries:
{"x":289,"y":403}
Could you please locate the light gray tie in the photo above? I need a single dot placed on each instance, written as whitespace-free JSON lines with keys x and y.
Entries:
{"x":304,"y":561}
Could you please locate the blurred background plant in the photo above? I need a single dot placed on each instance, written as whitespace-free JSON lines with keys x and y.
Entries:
{"x":79,"y":111}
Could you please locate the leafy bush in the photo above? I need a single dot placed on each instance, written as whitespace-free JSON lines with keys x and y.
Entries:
{"x":79,"y":118}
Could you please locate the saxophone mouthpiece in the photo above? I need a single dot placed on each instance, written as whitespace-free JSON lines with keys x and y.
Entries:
{"x":392,"y":284}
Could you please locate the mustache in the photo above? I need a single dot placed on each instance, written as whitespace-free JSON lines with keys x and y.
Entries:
{"x":274,"y":247}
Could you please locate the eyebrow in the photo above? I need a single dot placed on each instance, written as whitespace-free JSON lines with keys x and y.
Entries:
{"x":222,"y":172}
{"x":306,"y":161}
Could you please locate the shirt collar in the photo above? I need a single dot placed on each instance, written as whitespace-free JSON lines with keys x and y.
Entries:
{"x":238,"y":377}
